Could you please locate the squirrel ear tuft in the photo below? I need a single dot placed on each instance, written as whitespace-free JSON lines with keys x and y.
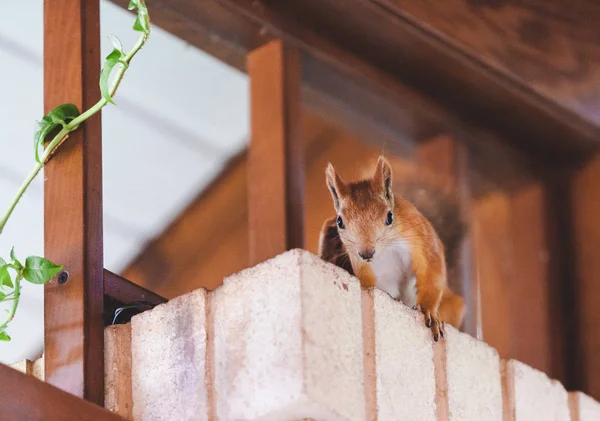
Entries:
{"x":383,"y":177}
{"x":335,"y":185}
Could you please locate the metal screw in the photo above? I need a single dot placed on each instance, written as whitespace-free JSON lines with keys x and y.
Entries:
{"x":62,"y":278}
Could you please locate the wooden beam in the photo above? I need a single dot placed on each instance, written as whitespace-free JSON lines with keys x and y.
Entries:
{"x":400,"y":60}
{"x":586,"y":225}
{"x":74,"y":335}
{"x":122,"y":290}
{"x":275,"y":164}
{"x":26,"y":398}
{"x":550,"y":47}
{"x":418,"y":56}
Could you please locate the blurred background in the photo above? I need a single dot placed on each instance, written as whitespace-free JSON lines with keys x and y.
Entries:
{"x":499,"y":102}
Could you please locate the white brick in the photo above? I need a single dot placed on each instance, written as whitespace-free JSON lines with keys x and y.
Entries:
{"x":404,"y":362}
{"x":117,"y":369}
{"x":474,"y":386}
{"x":583,"y":407}
{"x":534,"y":396}
{"x":168,"y":345}
{"x":288,"y":342}
{"x":24,"y":366}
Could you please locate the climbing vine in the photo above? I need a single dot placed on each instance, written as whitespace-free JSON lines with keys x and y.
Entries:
{"x":65,"y":118}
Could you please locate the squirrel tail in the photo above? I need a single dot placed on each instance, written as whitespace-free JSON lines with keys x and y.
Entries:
{"x":439,"y":204}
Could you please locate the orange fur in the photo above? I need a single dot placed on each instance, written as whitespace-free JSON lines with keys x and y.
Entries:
{"x":364,"y":207}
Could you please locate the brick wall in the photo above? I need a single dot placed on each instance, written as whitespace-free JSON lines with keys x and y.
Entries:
{"x":295,"y":338}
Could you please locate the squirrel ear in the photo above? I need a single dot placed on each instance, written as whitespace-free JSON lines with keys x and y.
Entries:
{"x":336,"y":186}
{"x":383,"y":177}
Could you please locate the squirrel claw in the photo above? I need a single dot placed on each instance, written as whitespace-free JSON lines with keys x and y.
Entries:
{"x":435,"y":324}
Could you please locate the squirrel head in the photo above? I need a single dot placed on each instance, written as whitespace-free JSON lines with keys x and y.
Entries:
{"x":365,"y":210}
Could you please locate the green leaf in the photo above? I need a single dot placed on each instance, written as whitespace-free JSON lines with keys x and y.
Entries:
{"x":2,"y":296}
{"x":4,"y":337}
{"x":39,"y":270}
{"x":59,"y":116}
{"x":142,"y":22}
{"x":5,"y":279}
{"x":115,"y":57}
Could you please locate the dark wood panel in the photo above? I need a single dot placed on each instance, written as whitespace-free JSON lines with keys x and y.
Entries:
{"x":551,"y":46}
{"x":73,"y":331}
{"x":25,"y":398}
{"x":275,"y":158}
{"x":586,"y":225}
{"x":125,"y":291}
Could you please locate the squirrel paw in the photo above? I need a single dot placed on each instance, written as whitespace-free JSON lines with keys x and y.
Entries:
{"x":433,"y":322}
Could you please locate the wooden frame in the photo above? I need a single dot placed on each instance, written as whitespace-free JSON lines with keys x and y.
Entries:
{"x":27,"y":398}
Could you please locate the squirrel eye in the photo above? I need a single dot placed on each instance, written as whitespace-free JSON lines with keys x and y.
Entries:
{"x":390,"y":218}
{"x":340,"y":223}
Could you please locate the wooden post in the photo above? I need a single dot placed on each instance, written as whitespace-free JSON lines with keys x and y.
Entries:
{"x":516,"y":254}
{"x":449,"y":159}
{"x":275,"y":164}
{"x":74,"y":337}
{"x":586,"y":225}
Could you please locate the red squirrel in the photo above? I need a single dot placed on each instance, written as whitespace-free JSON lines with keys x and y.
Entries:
{"x":386,"y":242}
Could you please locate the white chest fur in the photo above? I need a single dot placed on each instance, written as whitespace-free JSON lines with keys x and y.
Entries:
{"x":393,"y":273}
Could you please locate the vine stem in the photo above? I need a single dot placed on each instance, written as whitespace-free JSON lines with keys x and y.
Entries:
{"x":63,"y":134}
{"x":15,"y":303}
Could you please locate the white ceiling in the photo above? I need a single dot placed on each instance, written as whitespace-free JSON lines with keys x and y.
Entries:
{"x":180,"y":115}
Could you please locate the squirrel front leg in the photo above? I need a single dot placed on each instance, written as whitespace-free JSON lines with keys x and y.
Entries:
{"x":430,"y":272}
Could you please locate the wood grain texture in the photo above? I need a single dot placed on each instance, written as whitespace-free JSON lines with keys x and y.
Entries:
{"x":420,"y":80}
{"x":415,"y":54}
{"x":586,"y":225}
{"x":275,"y":163}
{"x":74,"y":335}
{"x":551,"y":46}
{"x":362,"y":36}
{"x":25,"y":398}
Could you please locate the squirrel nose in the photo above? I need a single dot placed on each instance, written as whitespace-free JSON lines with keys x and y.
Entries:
{"x":367,"y":254}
